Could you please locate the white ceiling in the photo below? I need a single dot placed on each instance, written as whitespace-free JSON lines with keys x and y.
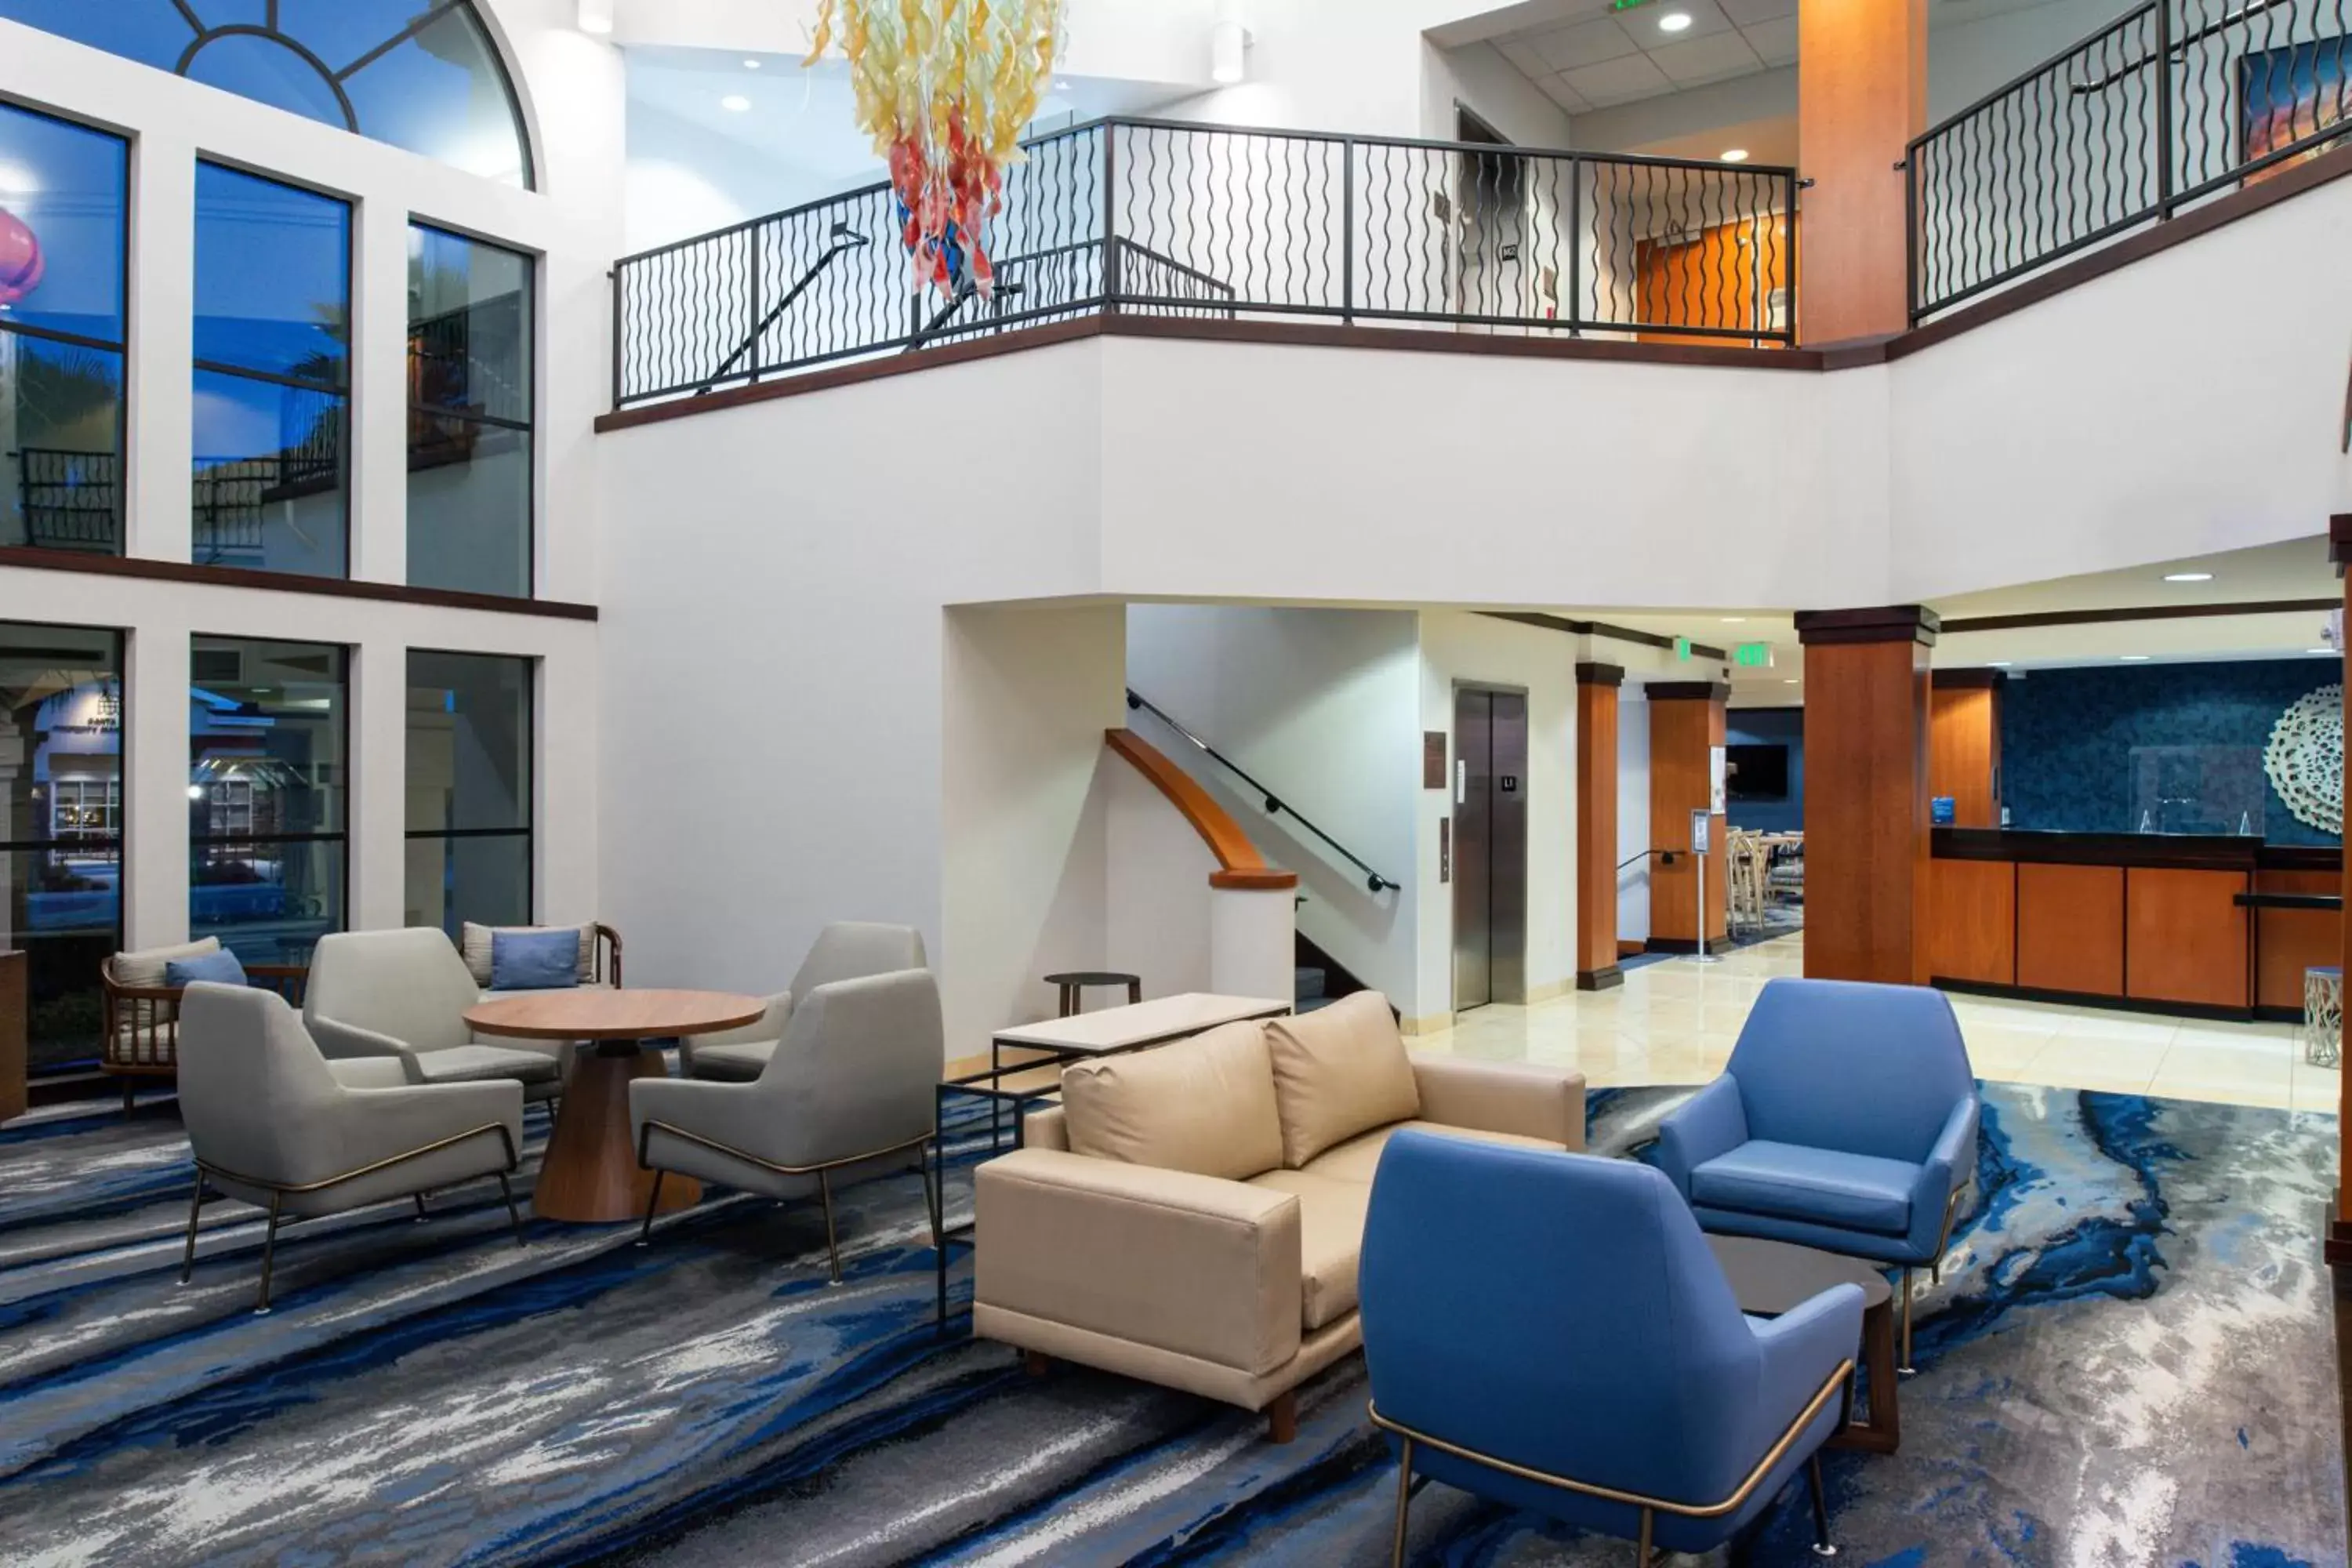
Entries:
{"x":1585,"y":56}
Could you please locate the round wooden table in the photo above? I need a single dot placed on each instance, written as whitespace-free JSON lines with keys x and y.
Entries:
{"x":590,"y":1173}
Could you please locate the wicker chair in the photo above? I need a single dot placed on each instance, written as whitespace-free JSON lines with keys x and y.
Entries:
{"x":141,"y":1022}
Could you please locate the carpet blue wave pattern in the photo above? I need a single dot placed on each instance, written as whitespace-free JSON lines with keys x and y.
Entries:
{"x":2129,"y":1363}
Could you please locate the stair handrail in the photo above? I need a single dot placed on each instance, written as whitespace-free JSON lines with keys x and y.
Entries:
{"x":1274,"y":805}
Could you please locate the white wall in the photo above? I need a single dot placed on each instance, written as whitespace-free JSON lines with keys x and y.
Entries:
{"x":1158,"y":893}
{"x":1463,"y":649}
{"x":571,"y":86}
{"x":1023,"y":806}
{"x":1322,"y":706}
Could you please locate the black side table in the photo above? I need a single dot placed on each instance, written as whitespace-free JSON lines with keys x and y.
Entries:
{"x":1073,"y":983}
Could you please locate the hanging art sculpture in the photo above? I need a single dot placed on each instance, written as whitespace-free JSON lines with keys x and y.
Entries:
{"x":2304,"y":758}
{"x":20,"y":258}
{"x":945,"y":87}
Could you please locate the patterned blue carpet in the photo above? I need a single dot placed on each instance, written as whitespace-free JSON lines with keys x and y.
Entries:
{"x":2131,"y":1362}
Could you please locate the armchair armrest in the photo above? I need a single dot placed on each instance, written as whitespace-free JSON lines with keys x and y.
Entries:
{"x":1711,"y":1122}
{"x":1521,"y":1098}
{"x":382,"y":1123}
{"x":1191,"y":1264}
{"x":336,"y":1039}
{"x":1948,"y":1168}
{"x":1801,"y":1348}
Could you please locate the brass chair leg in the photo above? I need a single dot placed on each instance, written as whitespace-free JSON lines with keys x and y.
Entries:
{"x":1641,"y":1548}
{"x":268,"y":1254}
{"x":514,"y":1216}
{"x":832,"y":1245}
{"x":419,"y":1199}
{"x":935,"y":1198}
{"x":1404,"y":1502}
{"x":1906,"y":1369}
{"x":196,"y":1203}
{"x":653,"y":1202}
{"x":1821,"y":1544}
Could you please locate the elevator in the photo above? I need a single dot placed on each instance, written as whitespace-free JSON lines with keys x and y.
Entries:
{"x":1489,"y":847}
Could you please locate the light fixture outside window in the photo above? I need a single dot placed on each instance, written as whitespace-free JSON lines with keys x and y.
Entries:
{"x":1229,"y":43}
{"x":596,"y":16}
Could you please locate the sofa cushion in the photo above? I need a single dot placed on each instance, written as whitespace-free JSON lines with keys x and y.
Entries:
{"x":471,"y":1064}
{"x":143,"y":970}
{"x":1330,"y":1240}
{"x":1859,"y":1192}
{"x":1359,"y":1157}
{"x":1338,"y":1071}
{"x":217,"y":968}
{"x":1203,"y":1105}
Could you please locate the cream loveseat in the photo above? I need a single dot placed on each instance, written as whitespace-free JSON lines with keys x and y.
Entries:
{"x":1190,"y":1215}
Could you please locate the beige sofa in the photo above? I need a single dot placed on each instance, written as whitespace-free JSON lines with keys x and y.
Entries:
{"x":1192,"y":1214}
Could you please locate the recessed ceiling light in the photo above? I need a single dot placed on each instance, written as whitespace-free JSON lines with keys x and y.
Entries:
{"x":1673,"y":21}
{"x":1734,"y":154}
{"x":1733,"y":620}
{"x":1062,"y":84}
{"x":1997,"y":664}
{"x":2325,"y":650}
{"x":2189,"y":576}
{"x":750,"y":65}
{"x":735,"y":103}
{"x":2134,"y":657}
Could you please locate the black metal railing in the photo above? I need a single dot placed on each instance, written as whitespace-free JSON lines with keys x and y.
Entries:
{"x":1274,"y":805}
{"x":1161,"y":217}
{"x":2172,"y":103}
{"x":70,"y":501}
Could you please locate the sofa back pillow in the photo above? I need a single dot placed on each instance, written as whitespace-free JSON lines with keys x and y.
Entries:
{"x":218,"y":967}
{"x":534,"y":959}
{"x":1203,"y":1105}
{"x":474,"y":943}
{"x":143,"y":970}
{"x":1339,"y":1071}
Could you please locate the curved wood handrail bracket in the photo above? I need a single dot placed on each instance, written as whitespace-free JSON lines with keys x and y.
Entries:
{"x":1239,"y":864}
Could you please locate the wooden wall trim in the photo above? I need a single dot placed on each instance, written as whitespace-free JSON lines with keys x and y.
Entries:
{"x":1686,"y":690}
{"x":2132,"y":613}
{"x":136,"y":566}
{"x":1589,"y":673}
{"x":1239,"y":864}
{"x":1600,"y":630}
{"x":1880,"y":622}
{"x":2339,"y":541}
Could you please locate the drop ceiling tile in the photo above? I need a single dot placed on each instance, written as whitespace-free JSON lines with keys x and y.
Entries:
{"x":1744,"y":13}
{"x":1775,"y":41}
{"x":1619,"y":81}
{"x":1530,"y":64}
{"x":1555,"y":87}
{"x":1726,"y":54}
{"x":1585,"y":44}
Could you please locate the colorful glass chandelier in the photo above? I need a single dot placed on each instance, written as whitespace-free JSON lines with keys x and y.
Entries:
{"x":945,"y":87}
{"x":21,"y":264}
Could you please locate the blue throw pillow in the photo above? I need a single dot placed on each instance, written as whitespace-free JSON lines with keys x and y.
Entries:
{"x":221,"y":968}
{"x":534,"y":959}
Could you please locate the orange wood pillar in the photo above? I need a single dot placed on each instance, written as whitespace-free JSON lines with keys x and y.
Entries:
{"x":1861,"y":94}
{"x":1686,"y":727}
{"x":1866,"y":847}
{"x":1596,"y":825}
{"x":2338,"y":1247}
{"x":1963,"y":744}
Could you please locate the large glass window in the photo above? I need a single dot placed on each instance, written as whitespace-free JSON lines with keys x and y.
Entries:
{"x":61,"y":840}
{"x":273,"y":375}
{"x":470,"y":808}
{"x":420,"y":74}
{"x":269,"y":793}
{"x":470,"y":415}
{"x":62,"y":231}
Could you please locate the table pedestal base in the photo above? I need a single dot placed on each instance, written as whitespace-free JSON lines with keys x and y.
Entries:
{"x":590,"y":1176}
{"x":1879,"y":1429}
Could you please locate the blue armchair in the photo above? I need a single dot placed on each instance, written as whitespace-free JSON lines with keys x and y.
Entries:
{"x":1551,"y":1332}
{"x":1846,"y":1120}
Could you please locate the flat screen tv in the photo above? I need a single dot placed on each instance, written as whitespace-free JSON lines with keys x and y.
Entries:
{"x":1757,"y":773}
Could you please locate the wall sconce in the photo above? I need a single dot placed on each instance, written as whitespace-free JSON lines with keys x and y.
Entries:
{"x":1229,"y":43}
{"x":596,"y":16}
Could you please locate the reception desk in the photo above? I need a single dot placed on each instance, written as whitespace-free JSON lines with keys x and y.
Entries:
{"x":2219,"y":924}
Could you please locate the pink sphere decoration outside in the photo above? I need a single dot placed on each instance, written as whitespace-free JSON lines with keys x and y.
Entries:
{"x":20,"y":258}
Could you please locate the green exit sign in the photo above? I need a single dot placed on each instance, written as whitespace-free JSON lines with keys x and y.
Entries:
{"x":1630,"y":5}
{"x":1753,"y":655}
{"x":1682,"y":648}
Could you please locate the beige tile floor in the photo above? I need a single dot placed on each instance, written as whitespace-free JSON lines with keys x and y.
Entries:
{"x":1675,"y":1022}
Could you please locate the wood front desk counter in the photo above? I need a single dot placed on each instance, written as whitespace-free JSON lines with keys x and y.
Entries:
{"x":2213,"y":923}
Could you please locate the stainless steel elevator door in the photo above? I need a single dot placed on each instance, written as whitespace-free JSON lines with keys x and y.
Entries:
{"x":1474,"y":725}
{"x":1490,"y":846}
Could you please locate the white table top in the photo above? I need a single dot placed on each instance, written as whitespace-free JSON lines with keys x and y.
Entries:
{"x":1141,"y":1023}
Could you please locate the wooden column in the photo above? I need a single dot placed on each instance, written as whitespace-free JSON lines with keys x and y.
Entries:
{"x":1861,"y":94}
{"x":1685,"y":726}
{"x":2338,"y":1247}
{"x":1866,"y":866}
{"x":1596,"y":825}
{"x":1963,"y":744}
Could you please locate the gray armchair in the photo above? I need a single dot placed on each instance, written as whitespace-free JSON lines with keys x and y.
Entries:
{"x":403,"y":995}
{"x":270,"y":1123}
{"x":842,"y":951}
{"x":849,"y":1091}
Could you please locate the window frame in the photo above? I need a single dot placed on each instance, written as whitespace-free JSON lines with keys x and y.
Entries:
{"x":529,"y":831}
{"x":533,"y":262}
{"x":120,"y":510}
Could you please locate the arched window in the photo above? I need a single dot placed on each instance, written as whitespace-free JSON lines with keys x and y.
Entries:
{"x":420,"y":74}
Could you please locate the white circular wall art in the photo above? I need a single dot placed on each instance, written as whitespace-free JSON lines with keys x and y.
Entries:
{"x":2306,"y":758}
